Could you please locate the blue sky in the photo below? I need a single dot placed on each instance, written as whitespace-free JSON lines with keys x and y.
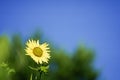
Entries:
{"x":69,"y":23}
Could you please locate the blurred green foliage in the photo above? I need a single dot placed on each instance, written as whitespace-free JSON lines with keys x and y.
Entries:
{"x":4,"y":48}
{"x":78,"y":66}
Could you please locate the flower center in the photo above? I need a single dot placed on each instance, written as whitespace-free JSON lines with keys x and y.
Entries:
{"x":37,"y":51}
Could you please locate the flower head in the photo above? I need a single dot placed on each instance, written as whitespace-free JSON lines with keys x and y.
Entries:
{"x":38,"y":52}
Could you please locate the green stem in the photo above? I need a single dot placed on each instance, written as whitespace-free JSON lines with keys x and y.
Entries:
{"x":40,"y":75}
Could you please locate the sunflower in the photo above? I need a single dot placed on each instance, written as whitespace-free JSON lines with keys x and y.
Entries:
{"x":38,"y":52}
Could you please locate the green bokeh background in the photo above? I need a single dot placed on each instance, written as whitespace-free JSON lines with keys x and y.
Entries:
{"x":63,"y":66}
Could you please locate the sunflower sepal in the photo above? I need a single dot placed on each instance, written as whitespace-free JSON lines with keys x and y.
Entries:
{"x":44,"y":68}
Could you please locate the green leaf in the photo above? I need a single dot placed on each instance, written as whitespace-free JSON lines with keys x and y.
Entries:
{"x":36,"y":69}
{"x":3,"y":64}
{"x":11,"y":71}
